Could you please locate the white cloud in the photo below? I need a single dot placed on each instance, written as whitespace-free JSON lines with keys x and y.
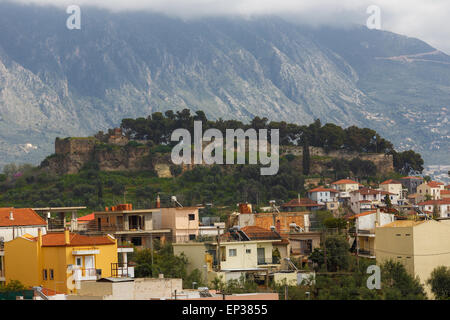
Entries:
{"x":424,"y":19}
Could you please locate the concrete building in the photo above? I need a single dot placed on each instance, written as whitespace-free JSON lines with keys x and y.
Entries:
{"x":420,"y":246}
{"x":183,"y":221}
{"x":138,"y":227}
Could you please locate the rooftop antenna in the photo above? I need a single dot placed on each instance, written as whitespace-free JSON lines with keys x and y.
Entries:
{"x":174,"y":200}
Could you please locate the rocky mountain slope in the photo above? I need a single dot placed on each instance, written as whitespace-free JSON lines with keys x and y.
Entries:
{"x":59,"y":82}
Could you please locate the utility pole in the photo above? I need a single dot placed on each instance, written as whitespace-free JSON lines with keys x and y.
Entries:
{"x":218,"y":247}
{"x":357,"y":244}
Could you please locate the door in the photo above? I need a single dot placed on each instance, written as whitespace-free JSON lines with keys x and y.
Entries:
{"x":89,"y":265}
{"x":261,"y":256}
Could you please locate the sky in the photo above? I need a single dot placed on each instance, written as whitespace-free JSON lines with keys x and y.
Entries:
{"x":428,"y":20}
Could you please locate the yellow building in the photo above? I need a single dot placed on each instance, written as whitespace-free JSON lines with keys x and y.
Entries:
{"x":420,"y":246}
{"x":57,"y":260}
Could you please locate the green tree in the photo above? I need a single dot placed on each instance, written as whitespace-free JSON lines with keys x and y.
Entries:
{"x":439,"y":282}
{"x":398,"y":284}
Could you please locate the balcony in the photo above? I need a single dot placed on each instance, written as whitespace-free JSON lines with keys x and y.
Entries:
{"x":366,"y":253}
{"x":268,"y":261}
{"x":82,"y":274}
{"x":122,"y":270}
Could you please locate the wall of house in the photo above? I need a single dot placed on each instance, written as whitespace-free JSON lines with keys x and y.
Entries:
{"x":396,"y":244}
{"x":21,"y":261}
{"x":195,"y":252}
{"x":431,"y":248}
{"x":242,"y":260}
{"x":177,"y":219}
{"x":7,"y":232}
{"x":151,"y":288}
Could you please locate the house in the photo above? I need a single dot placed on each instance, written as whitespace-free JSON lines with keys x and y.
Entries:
{"x":430,"y":189}
{"x":366,"y":199}
{"x":420,"y":246}
{"x":54,"y":259}
{"x":364,"y":231}
{"x":345,"y":186}
{"x":326,"y":196}
{"x":301,"y":204}
{"x":411,"y":183}
{"x":183,"y":221}
{"x":445,"y":194}
{"x":16,"y":222}
{"x":441,"y":206}
{"x":239,"y":252}
{"x":139,"y":227}
{"x":395,"y":187}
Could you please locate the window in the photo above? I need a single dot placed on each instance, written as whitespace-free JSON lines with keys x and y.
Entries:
{"x":79,"y":261}
{"x":191,"y":216}
{"x":232,"y":252}
{"x":192,"y":237}
{"x":248,"y":251}
{"x":44,"y":274}
{"x":136,"y":241}
{"x":51,"y":274}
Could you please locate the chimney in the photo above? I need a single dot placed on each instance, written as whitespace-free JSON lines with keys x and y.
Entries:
{"x":66,"y":236}
{"x":158,"y":202}
{"x":11,"y":215}
{"x":377,"y":218}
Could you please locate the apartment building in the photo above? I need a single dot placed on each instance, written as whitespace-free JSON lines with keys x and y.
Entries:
{"x":420,"y":246}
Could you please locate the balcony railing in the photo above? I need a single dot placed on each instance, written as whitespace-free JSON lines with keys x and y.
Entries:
{"x":86,"y":274}
{"x":266,"y":261}
{"x":369,"y":253}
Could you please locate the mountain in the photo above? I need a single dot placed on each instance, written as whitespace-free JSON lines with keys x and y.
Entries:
{"x":59,"y":82}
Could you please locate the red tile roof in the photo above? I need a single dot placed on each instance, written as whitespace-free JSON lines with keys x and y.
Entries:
{"x":258,"y":233}
{"x":56,"y":239}
{"x":321,"y":189}
{"x":304,"y":202}
{"x":361,"y":214}
{"x":434,"y":184}
{"x":445,"y":192}
{"x":345,"y":181}
{"x":433,"y":202}
{"x":391,"y":181}
{"x":22,"y":217}
{"x":410,"y":177}
{"x":86,"y":218}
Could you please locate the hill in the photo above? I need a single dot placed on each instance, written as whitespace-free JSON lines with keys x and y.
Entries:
{"x":59,"y":82}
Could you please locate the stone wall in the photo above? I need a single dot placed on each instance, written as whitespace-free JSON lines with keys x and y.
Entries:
{"x":383,"y":162}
